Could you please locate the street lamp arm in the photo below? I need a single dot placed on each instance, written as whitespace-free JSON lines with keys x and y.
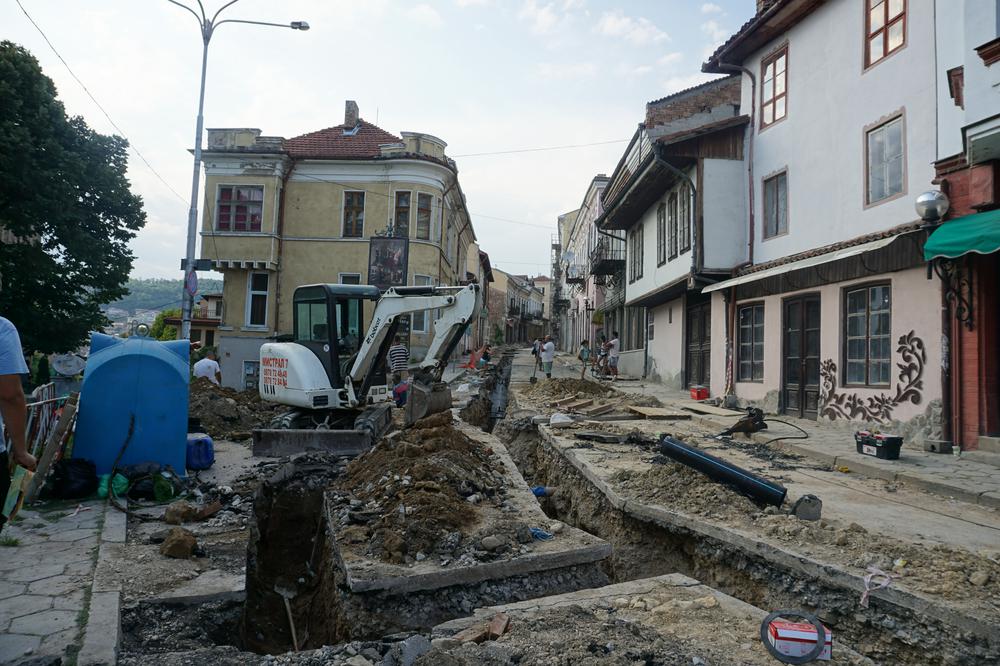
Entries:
{"x":193,"y":12}
{"x":222,"y":8}
{"x":276,"y":25}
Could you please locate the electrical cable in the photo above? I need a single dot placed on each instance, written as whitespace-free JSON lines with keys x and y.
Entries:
{"x":804,"y":434}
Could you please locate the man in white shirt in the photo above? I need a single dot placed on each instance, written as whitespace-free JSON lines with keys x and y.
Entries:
{"x":13,"y":412}
{"x":548,"y":354}
{"x":209,"y":368}
{"x":614,"y":347}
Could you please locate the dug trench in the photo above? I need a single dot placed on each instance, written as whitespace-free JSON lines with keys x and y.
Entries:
{"x":895,"y":628}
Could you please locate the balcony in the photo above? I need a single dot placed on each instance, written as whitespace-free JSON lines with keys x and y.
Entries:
{"x":608,"y":256}
{"x":514,"y":311}
{"x":576,"y":274}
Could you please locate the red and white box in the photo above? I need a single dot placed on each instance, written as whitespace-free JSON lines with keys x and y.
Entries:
{"x":796,"y":639}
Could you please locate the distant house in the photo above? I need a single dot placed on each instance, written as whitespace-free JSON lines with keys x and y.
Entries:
{"x":205,"y":319}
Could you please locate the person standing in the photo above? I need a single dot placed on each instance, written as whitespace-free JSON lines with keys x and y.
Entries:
{"x":614,"y":347}
{"x":13,"y":408}
{"x":208,"y":368}
{"x":584,"y":356}
{"x":548,"y":354}
{"x":399,"y":360}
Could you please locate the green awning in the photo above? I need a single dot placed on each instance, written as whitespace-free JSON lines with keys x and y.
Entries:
{"x":979,"y":233}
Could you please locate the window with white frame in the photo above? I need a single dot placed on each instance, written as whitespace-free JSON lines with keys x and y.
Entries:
{"x":684,"y":219}
{"x":257,"y":285}
{"x":423,"y":216}
{"x":401,"y":216}
{"x":419,"y":319}
{"x":661,"y":234}
{"x":868,"y":322}
{"x":350,"y":278}
{"x":776,"y":205}
{"x":354,"y":214}
{"x":672,"y":225}
{"x":884,"y":160}
{"x":239,"y":208}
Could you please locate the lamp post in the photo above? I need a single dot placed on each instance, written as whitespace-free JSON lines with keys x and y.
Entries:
{"x":207,"y":27}
{"x":932,"y":206}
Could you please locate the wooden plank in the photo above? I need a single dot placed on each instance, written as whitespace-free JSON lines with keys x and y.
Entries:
{"x":564,"y":401}
{"x":658,"y":413}
{"x":578,"y":404}
{"x":597,"y":410}
{"x":54,"y":444}
{"x":708,"y":409}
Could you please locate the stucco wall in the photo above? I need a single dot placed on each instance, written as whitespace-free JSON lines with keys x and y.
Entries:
{"x":632,"y":363}
{"x":666,"y":349}
{"x":724,"y":189}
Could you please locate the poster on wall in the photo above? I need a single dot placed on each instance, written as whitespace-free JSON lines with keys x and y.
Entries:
{"x":387,"y":261}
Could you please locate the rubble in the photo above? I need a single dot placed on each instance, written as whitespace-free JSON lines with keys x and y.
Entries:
{"x":547,"y":390}
{"x":224,"y":413}
{"x":179,"y":544}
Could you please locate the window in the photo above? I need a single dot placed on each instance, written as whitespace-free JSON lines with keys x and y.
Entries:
{"x":419,"y":319}
{"x":354,"y":214}
{"x":239,"y":209}
{"x":209,"y":338}
{"x":401,"y":219}
{"x":774,"y":87}
{"x":218,"y":309}
{"x":257,"y":299}
{"x":886,"y":23}
{"x":424,"y":216}
{"x":350,"y":278}
{"x":751,"y":350}
{"x":672,"y":225}
{"x":661,"y":234}
{"x":312,"y":322}
{"x":884,"y":147}
{"x":776,"y":205}
{"x":868,"y":321}
{"x":635,"y":254}
{"x":649,"y":325}
{"x":684,"y":219}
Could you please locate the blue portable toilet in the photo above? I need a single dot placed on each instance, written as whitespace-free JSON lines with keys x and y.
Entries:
{"x":135,"y":376}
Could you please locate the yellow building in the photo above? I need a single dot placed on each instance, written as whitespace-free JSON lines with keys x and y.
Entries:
{"x":280,"y":213}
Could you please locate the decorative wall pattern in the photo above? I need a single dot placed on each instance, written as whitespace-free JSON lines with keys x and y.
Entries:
{"x":877,"y":407}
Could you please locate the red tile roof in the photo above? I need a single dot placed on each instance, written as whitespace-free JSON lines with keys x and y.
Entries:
{"x":332,"y":143}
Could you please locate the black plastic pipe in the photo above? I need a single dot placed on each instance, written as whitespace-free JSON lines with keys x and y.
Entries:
{"x":720,"y":471}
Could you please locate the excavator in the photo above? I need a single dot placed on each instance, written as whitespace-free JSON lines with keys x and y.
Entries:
{"x":332,"y":378}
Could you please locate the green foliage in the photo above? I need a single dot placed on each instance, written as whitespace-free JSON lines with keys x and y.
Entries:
{"x":160,"y":330}
{"x":9,"y":541}
{"x":64,"y":193}
{"x":155,"y":293}
{"x":497,"y":335}
{"x":42,"y":374}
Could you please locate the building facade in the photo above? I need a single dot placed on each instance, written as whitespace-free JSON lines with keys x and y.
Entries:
{"x":321,"y":208}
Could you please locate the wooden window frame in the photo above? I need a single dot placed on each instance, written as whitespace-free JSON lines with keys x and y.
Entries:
{"x":899,"y":115}
{"x":395,"y":213}
{"x":739,"y":342}
{"x":883,"y":30}
{"x":672,"y":226}
{"x":684,"y":220}
{"x":251,"y":292}
{"x":661,"y":234}
{"x":343,"y":216}
{"x":772,"y":59}
{"x":845,"y":291}
{"x":763,"y":204}
{"x":233,"y":203}
{"x":641,"y":242}
{"x":430,"y":217}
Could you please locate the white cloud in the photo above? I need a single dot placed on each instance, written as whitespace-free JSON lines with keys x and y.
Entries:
{"x":425,"y":15}
{"x":542,"y":18}
{"x":570,"y":5}
{"x":567,"y":71}
{"x":472,"y":3}
{"x":711,"y":8}
{"x":669,"y":58}
{"x":636,"y":30}
{"x":642,"y":69}
{"x":715,"y":31}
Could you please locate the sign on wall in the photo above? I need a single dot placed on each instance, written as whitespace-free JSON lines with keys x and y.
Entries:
{"x":387,"y":261}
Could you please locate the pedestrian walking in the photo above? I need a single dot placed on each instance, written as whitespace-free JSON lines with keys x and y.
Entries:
{"x":584,"y":356}
{"x":614,"y":348}
{"x":547,"y":355}
{"x":399,"y":360}
{"x":13,"y":408}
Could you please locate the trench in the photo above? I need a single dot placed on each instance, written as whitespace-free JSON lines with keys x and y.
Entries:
{"x":886,"y":633}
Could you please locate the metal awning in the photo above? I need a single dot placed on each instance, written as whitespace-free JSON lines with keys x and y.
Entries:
{"x":979,"y":233}
{"x":808,"y":262}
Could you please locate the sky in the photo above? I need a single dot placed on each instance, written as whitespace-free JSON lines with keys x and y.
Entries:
{"x":486,"y":76}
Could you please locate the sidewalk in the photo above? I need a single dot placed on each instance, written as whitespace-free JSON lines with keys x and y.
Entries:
{"x":832,"y":444}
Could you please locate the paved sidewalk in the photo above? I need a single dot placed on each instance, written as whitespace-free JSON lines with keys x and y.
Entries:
{"x":832,"y":444}
{"x":45,"y":579}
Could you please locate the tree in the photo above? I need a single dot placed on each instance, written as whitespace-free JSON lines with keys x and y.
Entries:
{"x":160,"y":330}
{"x":66,"y":201}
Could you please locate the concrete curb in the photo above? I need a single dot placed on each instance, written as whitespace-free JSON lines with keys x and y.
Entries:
{"x":102,"y":632}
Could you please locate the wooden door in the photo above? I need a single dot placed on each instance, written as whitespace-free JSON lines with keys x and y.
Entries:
{"x":800,"y":351}
{"x":699,"y":338}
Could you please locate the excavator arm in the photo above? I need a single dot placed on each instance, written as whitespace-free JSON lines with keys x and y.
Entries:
{"x":458,"y":306}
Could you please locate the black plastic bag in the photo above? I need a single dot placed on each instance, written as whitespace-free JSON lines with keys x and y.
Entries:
{"x":73,"y":479}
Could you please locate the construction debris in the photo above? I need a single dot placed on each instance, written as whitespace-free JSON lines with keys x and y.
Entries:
{"x":227,"y":414}
{"x":548,"y":390}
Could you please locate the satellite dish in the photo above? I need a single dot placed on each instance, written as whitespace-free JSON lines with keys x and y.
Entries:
{"x":68,"y":365}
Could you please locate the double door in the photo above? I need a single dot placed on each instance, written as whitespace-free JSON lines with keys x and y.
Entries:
{"x":699,"y":347}
{"x":800,"y":351}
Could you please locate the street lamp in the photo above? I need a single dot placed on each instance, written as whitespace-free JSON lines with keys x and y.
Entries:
{"x":207,"y":27}
{"x":931,"y":206}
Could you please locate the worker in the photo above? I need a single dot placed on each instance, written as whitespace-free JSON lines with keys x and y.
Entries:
{"x":547,"y":355}
{"x":399,"y":360}
{"x":614,"y":349}
{"x":13,"y":409}
{"x":209,"y":368}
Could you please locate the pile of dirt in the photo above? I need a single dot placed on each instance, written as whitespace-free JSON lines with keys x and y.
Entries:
{"x":227,"y":414}
{"x":418,"y":492}
{"x":556,"y":389}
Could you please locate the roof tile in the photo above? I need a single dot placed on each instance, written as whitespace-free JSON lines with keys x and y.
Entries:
{"x":332,"y":143}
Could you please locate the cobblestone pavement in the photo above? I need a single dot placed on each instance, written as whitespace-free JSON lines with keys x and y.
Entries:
{"x":45,"y":579}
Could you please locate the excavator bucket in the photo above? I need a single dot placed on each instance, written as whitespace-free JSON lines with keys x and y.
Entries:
{"x":426,"y":399}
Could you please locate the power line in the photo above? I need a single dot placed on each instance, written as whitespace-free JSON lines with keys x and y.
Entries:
{"x":538,"y":150}
{"x":98,"y":104}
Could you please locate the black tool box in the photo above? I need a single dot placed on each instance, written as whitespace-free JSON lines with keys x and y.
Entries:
{"x":878,"y":445}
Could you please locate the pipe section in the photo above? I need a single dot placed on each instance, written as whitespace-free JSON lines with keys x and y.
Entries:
{"x":720,"y":471}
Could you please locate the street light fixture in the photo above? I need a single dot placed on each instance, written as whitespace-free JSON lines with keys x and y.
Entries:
{"x":207,"y":27}
{"x":931,"y":206}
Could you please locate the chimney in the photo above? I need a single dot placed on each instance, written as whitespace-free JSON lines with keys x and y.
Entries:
{"x":350,"y":114}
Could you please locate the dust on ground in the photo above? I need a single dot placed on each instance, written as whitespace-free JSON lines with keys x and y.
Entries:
{"x":420,"y":492}
{"x":228,"y":414}
{"x":556,"y":389}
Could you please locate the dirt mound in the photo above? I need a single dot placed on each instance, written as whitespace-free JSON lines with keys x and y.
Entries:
{"x":555,"y":389}
{"x":227,"y":414}
{"x":417,"y":491}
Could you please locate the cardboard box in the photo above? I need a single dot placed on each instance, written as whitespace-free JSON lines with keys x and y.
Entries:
{"x":795,"y":639}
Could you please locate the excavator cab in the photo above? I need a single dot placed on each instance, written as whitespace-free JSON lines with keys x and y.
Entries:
{"x":328,"y":320}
